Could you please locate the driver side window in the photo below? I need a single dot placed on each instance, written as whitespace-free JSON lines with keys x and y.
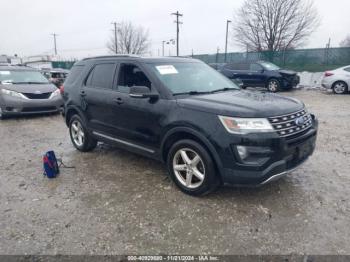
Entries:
{"x":131,"y":75}
{"x":255,"y":67}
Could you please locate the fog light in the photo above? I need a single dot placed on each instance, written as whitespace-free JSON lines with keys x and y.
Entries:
{"x":243,"y":152}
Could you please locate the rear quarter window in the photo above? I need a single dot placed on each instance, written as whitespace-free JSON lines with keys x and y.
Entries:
{"x":347,"y":69}
{"x":74,"y":74}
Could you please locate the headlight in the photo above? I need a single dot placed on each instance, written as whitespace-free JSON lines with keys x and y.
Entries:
{"x":237,"y":125}
{"x":13,"y":93}
{"x":55,"y":93}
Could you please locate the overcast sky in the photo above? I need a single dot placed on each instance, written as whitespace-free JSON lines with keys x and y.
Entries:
{"x":84,"y":26}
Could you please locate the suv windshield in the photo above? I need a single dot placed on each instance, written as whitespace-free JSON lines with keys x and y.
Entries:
{"x":193,"y":77}
{"x":22,"y":77}
{"x":269,"y":66}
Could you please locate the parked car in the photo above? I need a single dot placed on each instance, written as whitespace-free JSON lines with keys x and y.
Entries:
{"x":261,"y":74}
{"x":337,"y":80}
{"x":219,"y":66}
{"x":182,"y":112}
{"x":24,"y":90}
{"x":56,"y":76}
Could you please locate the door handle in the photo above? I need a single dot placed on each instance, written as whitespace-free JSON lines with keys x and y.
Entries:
{"x":119,"y":101}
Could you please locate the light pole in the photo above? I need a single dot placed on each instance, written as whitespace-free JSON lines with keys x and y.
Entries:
{"x":227,"y":22}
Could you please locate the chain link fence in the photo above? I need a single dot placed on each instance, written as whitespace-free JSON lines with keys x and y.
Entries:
{"x":313,"y":60}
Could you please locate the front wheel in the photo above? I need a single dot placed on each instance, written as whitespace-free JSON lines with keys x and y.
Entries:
{"x":79,"y":135}
{"x":191,"y":168}
{"x":340,"y":88}
{"x":273,"y":85}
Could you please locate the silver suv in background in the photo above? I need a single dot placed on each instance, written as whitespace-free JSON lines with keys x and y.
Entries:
{"x":337,"y":80}
{"x":24,"y":90}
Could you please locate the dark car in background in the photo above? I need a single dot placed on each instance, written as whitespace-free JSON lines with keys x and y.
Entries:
{"x":24,"y":90}
{"x":261,"y":74}
{"x":182,"y":112}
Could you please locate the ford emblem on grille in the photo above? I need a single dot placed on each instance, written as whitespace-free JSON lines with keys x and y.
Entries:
{"x":37,"y":92}
{"x":300,"y":121}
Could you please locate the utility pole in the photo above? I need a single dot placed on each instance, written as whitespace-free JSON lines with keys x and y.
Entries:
{"x":217,"y":55}
{"x":115,"y":37}
{"x":227,"y":22}
{"x":163,"y":42}
{"x":54,"y":42}
{"x":177,"y":14}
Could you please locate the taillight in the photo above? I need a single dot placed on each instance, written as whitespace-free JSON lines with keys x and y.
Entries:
{"x":62,"y":89}
{"x":328,"y":74}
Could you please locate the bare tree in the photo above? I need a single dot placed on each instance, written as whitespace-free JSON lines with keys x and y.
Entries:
{"x":345,"y":42}
{"x":274,"y":25}
{"x":130,"y":39}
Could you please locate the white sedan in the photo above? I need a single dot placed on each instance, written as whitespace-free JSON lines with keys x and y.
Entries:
{"x":338,"y":80}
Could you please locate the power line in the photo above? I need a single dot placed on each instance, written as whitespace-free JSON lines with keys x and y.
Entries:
{"x":177,"y":14}
{"x":54,"y":41}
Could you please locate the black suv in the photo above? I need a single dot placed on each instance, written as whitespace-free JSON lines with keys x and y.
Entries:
{"x":184,"y":113}
{"x":261,"y":74}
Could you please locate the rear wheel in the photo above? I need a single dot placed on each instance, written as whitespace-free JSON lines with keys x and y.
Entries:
{"x":273,"y":85}
{"x":340,"y":88}
{"x":80,"y":137}
{"x":192,"y":168}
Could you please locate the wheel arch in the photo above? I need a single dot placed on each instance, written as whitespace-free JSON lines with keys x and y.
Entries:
{"x":70,"y":111}
{"x":180,"y":133}
{"x":340,"y":81}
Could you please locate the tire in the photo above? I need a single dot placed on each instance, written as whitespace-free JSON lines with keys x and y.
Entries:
{"x":273,"y":85}
{"x":340,"y":88}
{"x":79,"y":135}
{"x":194,"y":179}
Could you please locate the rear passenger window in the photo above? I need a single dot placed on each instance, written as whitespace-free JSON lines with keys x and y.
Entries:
{"x":101,"y":76}
{"x":74,"y":74}
{"x":237,"y":66}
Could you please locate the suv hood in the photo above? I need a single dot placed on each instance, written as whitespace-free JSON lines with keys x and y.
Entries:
{"x":30,"y":88}
{"x":242,"y":104}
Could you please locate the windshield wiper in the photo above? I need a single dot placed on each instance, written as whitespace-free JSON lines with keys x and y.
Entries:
{"x":191,"y":93}
{"x":223,"y":89}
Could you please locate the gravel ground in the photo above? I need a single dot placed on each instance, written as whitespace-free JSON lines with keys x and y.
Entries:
{"x":115,"y":202}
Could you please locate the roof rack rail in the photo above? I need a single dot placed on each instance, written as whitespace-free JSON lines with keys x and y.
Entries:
{"x":110,"y":56}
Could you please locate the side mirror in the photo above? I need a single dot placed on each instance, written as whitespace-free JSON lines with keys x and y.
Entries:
{"x":142,"y":92}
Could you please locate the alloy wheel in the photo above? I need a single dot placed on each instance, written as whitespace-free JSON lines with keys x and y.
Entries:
{"x":189,"y":168}
{"x":273,"y":86}
{"x":339,"y":88}
{"x":77,"y":133}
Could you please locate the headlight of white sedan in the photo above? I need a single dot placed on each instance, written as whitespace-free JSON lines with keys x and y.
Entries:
{"x":13,"y":93}
{"x":236,"y":125}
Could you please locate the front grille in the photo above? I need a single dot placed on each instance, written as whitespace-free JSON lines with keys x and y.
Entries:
{"x":286,"y":125}
{"x":37,"y":96}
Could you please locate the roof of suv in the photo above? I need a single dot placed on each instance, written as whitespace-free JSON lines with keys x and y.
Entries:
{"x":139,"y":58}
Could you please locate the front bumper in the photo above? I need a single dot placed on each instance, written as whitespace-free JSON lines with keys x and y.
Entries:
{"x":19,"y":106}
{"x":282,"y":158}
{"x":290,"y":82}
